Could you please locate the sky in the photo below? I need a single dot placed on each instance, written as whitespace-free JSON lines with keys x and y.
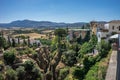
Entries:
{"x":68,"y":11}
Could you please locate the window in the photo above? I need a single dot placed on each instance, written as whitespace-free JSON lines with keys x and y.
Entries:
{"x":119,"y":28}
{"x":113,"y":27}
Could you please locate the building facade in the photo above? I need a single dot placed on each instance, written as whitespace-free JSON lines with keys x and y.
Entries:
{"x":114,"y":27}
{"x":104,"y":30}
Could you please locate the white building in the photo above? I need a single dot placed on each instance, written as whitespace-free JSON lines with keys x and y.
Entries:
{"x":105,"y":30}
{"x":114,"y":27}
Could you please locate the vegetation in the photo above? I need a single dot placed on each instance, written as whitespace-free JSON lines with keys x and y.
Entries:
{"x":11,"y":74}
{"x":2,"y":41}
{"x":9,"y":56}
{"x":20,"y":72}
{"x":29,"y":65}
{"x":98,"y":71}
{"x":86,"y":38}
{"x":53,"y":59}
{"x":87,"y":47}
{"x":63,"y":73}
{"x":45,"y":42}
{"x":60,"y":32}
{"x":78,"y":73}
{"x":69,"y":58}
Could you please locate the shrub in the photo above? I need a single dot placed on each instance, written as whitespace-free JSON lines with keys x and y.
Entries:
{"x":9,"y":56}
{"x":1,"y":76}
{"x":63,"y":73}
{"x":11,"y":74}
{"x":69,"y":58}
{"x":78,"y":73}
{"x":36,"y":74}
{"x":28,"y":65}
{"x":20,"y":72}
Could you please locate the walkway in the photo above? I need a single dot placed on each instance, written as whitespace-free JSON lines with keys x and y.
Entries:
{"x":118,"y":66}
{"x":112,"y":68}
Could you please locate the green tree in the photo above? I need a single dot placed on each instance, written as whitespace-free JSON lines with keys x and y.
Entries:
{"x":1,"y":34}
{"x":28,"y":41}
{"x":9,"y":56}
{"x":11,"y":74}
{"x":45,"y":42}
{"x":32,"y":72}
{"x":88,"y":62}
{"x":87,"y":37}
{"x":93,"y":40}
{"x":2,"y":41}
{"x":105,"y":47}
{"x":88,"y":46}
{"x":60,"y":32}
{"x":9,"y":41}
{"x":78,"y":73}
{"x":20,"y":72}
{"x":36,"y":74}
{"x":63,"y":73}
{"x":13,"y":42}
{"x":69,"y":58}
{"x":79,"y":40}
{"x":85,"y":48}
{"x":1,"y":76}
{"x":54,"y":42}
{"x":28,"y":65}
{"x":24,"y":42}
{"x":18,"y":40}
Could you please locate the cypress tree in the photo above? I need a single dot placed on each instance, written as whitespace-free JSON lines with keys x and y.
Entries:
{"x":13,"y":42}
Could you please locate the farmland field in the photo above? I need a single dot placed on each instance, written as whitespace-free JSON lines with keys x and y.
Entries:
{"x":33,"y":35}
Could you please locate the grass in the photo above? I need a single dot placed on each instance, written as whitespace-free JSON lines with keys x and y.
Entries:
{"x":33,"y":35}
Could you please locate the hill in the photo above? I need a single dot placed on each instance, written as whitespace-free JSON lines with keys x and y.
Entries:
{"x":40,"y":24}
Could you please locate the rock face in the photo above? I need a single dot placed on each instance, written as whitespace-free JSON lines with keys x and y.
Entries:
{"x":49,"y":66}
{"x":44,"y":58}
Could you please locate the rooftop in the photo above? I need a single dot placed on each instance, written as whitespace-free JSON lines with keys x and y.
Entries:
{"x":115,"y":21}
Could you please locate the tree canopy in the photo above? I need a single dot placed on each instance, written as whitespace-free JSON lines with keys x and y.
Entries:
{"x":9,"y":56}
{"x":60,"y":32}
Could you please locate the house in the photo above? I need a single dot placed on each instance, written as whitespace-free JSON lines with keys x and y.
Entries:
{"x":114,"y":26}
{"x":97,"y":26}
{"x":98,"y":29}
{"x":103,"y":30}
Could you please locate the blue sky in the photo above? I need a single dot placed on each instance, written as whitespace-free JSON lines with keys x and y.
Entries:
{"x":59,"y":10}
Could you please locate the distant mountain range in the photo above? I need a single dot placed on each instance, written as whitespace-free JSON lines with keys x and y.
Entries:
{"x":40,"y":24}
